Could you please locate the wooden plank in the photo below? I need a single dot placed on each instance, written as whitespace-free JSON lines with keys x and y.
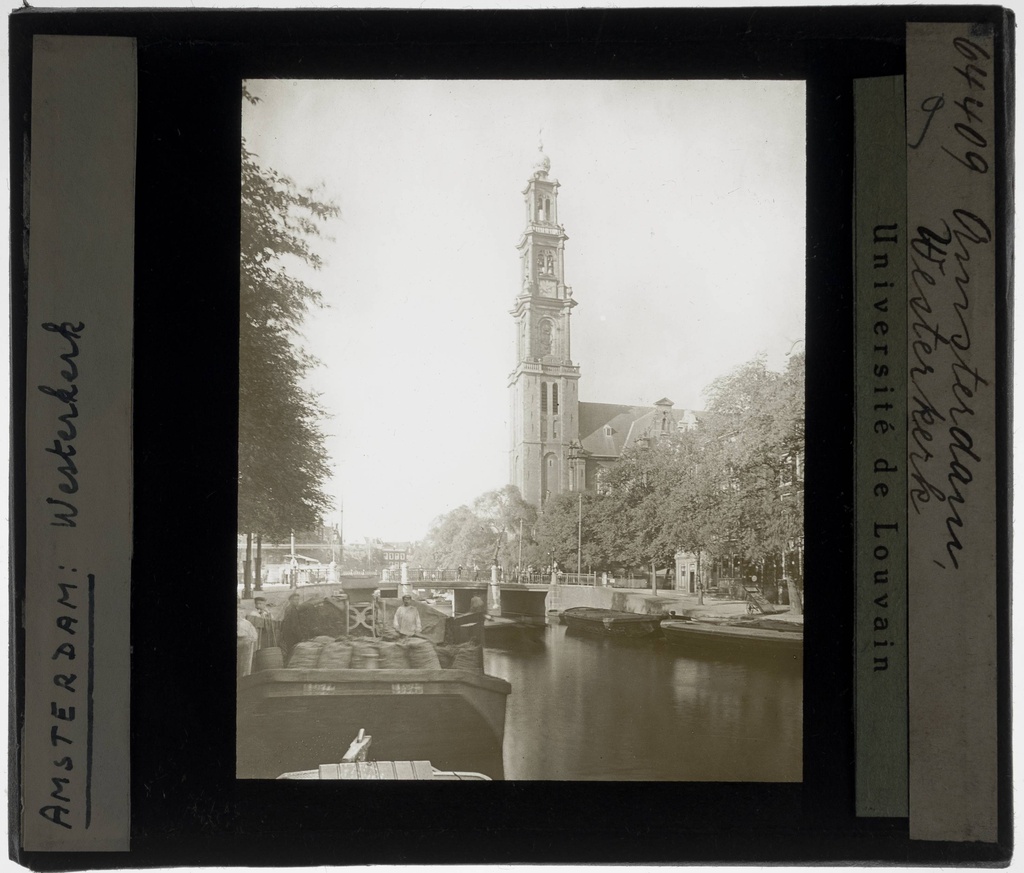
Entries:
{"x":329,"y":771}
{"x":386,"y":770}
{"x":366,"y":770}
{"x":404,"y":770}
{"x":422,"y":770}
{"x":348,"y":771}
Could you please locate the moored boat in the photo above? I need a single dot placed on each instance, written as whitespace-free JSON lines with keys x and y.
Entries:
{"x":294,"y":719}
{"x":610,"y":622}
{"x":496,"y":632}
{"x":778,"y":638}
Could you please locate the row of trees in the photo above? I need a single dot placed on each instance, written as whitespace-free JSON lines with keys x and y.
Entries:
{"x":282,"y":459}
{"x":729,"y":488}
{"x":498,"y":526}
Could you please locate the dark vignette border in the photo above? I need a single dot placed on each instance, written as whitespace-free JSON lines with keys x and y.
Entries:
{"x":187,"y":807}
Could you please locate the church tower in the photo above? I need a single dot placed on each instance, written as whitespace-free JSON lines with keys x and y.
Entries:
{"x":544,"y":415}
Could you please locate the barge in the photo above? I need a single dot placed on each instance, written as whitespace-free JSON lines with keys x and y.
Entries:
{"x":609,"y":622}
{"x":293,"y":719}
{"x":781,"y":639}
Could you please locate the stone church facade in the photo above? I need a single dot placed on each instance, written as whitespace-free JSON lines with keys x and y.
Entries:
{"x":559,"y":443}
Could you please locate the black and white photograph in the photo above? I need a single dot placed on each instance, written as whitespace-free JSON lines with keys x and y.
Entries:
{"x":612,"y":403}
{"x":521,"y":430}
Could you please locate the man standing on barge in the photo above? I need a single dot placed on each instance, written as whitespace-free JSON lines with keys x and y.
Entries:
{"x":407,"y":618}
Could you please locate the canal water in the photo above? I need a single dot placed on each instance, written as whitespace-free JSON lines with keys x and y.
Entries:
{"x":598,"y":708}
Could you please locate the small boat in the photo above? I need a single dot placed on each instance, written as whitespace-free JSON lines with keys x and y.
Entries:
{"x":387,"y":770}
{"x":356,"y":766}
{"x":605,"y":622}
{"x":778,"y":637}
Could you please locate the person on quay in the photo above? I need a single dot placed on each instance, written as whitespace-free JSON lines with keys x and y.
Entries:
{"x":407,"y":619}
{"x":262,"y":619}
{"x":245,"y":643}
{"x":291,"y":629}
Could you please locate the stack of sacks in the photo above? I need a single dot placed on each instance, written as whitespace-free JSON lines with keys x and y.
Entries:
{"x":305,"y":655}
{"x":336,"y":655}
{"x":421,"y":655}
{"x":468,"y":656}
{"x":392,"y":656}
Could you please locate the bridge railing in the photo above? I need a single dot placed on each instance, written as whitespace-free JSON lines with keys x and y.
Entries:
{"x":579,"y":579}
{"x":635,"y":583}
{"x":428,"y":578}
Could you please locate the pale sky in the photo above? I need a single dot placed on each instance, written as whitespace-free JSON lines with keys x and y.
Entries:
{"x":684,"y":206}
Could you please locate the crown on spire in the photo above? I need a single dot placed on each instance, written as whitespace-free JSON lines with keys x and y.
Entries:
{"x":541,"y":166}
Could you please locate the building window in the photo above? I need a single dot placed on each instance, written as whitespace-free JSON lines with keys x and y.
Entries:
{"x":554,"y":398}
{"x":543,"y":398}
{"x":554,"y":429}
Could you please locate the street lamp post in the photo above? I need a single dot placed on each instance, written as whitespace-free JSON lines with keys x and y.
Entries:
{"x":579,"y":537}
{"x":574,"y":456}
{"x":519,"y":569}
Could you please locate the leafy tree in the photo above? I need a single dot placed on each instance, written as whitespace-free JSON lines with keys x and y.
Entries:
{"x":282,"y":458}
{"x":511,"y":521}
{"x":754,"y":437}
{"x":729,"y":487}
{"x":468,"y":536}
{"x":560,"y":532}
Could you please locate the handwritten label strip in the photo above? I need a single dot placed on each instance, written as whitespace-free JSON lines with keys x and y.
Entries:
{"x":880,"y":266}
{"x":952,"y":95}
{"x":75,"y":743}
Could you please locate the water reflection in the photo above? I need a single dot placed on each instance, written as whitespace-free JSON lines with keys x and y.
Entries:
{"x":606,"y":709}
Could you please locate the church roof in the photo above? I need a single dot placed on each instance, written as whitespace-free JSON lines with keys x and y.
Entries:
{"x":605,"y":426}
{"x":606,"y":429}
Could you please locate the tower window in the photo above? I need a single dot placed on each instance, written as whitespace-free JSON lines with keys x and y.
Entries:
{"x":547,"y":209}
{"x":554,"y":398}
{"x":543,"y":398}
{"x":544,"y":340}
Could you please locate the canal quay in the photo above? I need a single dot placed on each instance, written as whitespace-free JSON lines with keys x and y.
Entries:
{"x":588,"y":706}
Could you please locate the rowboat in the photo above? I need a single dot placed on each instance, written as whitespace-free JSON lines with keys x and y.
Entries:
{"x":355,"y":765}
{"x":292,"y":719}
{"x":777,"y":638}
{"x":605,"y":622}
{"x":386,"y":770}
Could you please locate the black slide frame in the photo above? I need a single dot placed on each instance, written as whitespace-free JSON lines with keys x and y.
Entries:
{"x":187,"y":808}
